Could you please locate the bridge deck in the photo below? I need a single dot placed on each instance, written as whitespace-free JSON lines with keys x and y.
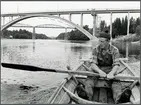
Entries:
{"x":74,"y":12}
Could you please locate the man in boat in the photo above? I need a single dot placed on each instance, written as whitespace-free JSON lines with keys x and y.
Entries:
{"x":105,"y":62}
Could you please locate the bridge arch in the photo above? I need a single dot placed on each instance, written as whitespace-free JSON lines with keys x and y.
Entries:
{"x":50,"y":16}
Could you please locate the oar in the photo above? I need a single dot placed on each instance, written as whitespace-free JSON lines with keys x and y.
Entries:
{"x":85,"y":73}
{"x":34,"y":69}
{"x":117,"y":76}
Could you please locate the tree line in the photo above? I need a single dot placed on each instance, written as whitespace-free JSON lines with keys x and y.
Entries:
{"x":119,"y":28}
{"x":75,"y":34}
{"x":22,"y":34}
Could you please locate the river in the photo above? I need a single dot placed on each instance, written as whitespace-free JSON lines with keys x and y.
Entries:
{"x":54,"y":54}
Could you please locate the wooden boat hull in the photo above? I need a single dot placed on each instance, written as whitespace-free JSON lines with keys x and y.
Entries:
{"x":65,"y":93}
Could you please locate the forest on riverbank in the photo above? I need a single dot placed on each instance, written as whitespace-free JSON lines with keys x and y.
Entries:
{"x":119,"y":28}
{"x":119,"y":35}
{"x":22,"y":34}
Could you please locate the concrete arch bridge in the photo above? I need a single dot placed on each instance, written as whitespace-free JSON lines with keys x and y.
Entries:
{"x":50,"y":16}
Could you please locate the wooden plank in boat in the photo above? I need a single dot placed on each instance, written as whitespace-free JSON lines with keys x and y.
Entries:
{"x":79,"y":67}
{"x":103,"y":95}
{"x":102,"y":83}
{"x":64,"y":98}
{"x":138,"y":86}
{"x":96,"y":94}
{"x":110,"y":96}
{"x":126,"y":71}
{"x":79,"y":100}
{"x":88,"y":64}
{"x":136,"y":93}
{"x":53,"y":97}
{"x":129,"y":68}
{"x":132,"y":99}
{"x":59,"y":97}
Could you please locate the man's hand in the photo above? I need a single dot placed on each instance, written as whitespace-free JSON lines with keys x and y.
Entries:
{"x":110,"y":76}
{"x":102,"y":74}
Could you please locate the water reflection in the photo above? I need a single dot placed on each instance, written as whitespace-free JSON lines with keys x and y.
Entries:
{"x":42,"y":53}
{"x":43,"y":50}
{"x":83,"y":49}
{"x":75,"y":41}
{"x":33,"y":46}
{"x":23,"y":47}
{"x":45,"y":53}
{"x":17,"y":51}
{"x":3,"y":49}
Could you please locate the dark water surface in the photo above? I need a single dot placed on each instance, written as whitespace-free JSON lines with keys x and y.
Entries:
{"x":55,"y":54}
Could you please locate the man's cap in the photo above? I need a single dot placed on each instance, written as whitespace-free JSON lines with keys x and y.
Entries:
{"x":103,"y":35}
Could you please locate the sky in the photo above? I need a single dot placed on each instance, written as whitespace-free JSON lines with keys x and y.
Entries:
{"x":40,"y":6}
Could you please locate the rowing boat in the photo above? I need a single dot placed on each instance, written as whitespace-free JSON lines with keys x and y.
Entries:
{"x":66,"y":94}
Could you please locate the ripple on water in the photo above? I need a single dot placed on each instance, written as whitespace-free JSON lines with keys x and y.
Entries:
{"x":43,"y":53}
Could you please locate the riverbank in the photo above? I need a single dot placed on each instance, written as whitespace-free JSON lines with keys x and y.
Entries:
{"x":26,"y":94}
{"x":22,"y":94}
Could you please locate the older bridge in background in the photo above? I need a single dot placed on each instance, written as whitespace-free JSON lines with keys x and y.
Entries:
{"x":41,"y":26}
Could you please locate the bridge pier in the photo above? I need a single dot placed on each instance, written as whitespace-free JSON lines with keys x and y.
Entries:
{"x":3,"y":20}
{"x":70,"y":17}
{"x":94,"y":23}
{"x":65,"y":37}
{"x":11,"y":17}
{"x":128,"y":24}
{"x":111,"y":26}
{"x":33,"y":34}
{"x":81,"y":20}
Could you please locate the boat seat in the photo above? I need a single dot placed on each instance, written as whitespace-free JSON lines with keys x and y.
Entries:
{"x":103,"y":95}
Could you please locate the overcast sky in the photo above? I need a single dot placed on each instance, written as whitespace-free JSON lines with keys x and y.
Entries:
{"x":36,"y":6}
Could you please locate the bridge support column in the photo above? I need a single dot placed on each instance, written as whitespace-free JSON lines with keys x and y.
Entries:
{"x":3,"y":20}
{"x":59,"y":15}
{"x":94,"y":23}
{"x":33,"y":34}
{"x":111,"y":26}
{"x":69,"y":17}
{"x":81,"y":23}
{"x":128,"y":24}
{"x":65,"y":37}
{"x":11,"y":17}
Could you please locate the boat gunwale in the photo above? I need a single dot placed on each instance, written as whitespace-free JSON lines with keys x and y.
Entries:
{"x":84,"y":77}
{"x":58,"y":90}
{"x":84,"y":100}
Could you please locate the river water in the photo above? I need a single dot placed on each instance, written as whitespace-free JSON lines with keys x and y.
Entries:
{"x":54,"y":54}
